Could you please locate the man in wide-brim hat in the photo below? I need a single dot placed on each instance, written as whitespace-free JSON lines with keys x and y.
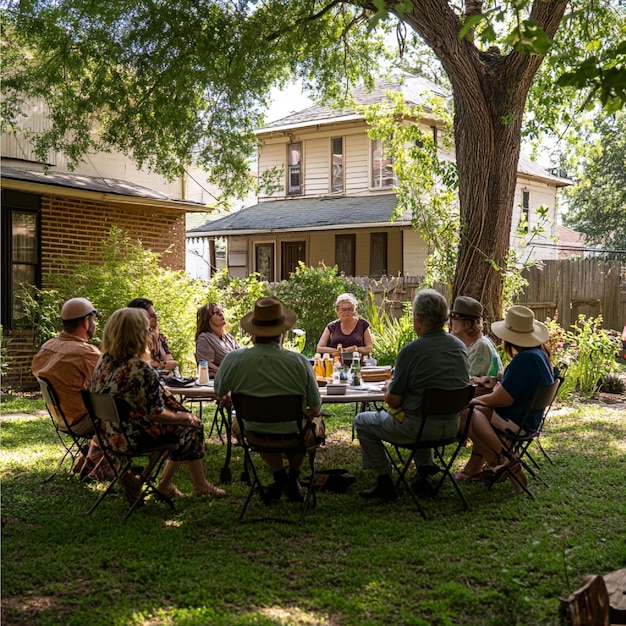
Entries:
{"x":267,"y":369}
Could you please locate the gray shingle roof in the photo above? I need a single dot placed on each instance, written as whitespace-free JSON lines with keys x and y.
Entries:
{"x":306,"y":214}
{"x":413,"y":89}
{"x":91,"y":183}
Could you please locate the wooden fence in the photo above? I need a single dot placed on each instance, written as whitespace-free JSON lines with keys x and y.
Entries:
{"x":565,"y":289}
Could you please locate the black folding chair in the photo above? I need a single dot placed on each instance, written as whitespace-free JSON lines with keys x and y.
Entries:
{"x":516,"y":444}
{"x":284,"y":410}
{"x":104,"y":407}
{"x":540,"y":430}
{"x":74,"y":445}
{"x":436,"y":402}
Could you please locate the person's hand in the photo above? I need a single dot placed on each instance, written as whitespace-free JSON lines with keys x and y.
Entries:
{"x":189,"y":419}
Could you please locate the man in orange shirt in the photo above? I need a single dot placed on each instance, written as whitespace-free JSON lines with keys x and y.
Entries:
{"x":68,"y":361}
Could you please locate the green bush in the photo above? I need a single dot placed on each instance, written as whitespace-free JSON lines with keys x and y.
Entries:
{"x":311,"y":292}
{"x":127,"y":271}
{"x":585,"y":354}
{"x":389,"y":334}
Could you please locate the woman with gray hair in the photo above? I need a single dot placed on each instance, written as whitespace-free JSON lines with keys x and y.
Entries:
{"x":436,"y":359}
{"x":349,"y":330}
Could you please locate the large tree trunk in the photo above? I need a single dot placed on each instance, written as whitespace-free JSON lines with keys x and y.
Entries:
{"x":489,"y":92}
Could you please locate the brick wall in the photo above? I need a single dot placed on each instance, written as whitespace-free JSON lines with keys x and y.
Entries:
{"x":71,"y":230}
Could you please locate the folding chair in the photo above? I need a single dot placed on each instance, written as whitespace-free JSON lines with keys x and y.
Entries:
{"x":104,"y":407}
{"x":540,"y":430}
{"x":285,"y":410}
{"x":516,"y":444}
{"x":74,"y":444}
{"x":436,"y":402}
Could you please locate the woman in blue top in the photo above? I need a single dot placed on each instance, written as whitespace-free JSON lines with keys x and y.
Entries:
{"x":506,"y":406}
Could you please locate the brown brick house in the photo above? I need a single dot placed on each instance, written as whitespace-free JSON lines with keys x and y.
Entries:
{"x":52,"y":218}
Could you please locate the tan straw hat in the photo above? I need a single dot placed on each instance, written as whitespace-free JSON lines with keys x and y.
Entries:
{"x":520,"y":328}
{"x":269,"y":318}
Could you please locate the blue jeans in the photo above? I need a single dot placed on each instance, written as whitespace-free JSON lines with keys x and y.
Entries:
{"x":374,"y":427}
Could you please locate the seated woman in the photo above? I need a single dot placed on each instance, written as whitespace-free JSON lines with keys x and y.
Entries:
{"x":122,"y":373}
{"x":466,"y":322}
{"x":529,"y":369}
{"x":349,"y":330}
{"x":160,"y":354}
{"x":213,"y":341}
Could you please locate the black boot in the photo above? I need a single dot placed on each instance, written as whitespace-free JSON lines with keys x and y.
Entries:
{"x":384,"y":489}
{"x":274,"y":491}
{"x":293,"y":488}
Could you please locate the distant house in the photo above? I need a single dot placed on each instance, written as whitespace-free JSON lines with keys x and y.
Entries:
{"x":52,"y":217}
{"x":570,"y":243}
{"x":335,"y":198}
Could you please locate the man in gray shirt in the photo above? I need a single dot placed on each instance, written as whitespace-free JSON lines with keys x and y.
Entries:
{"x":436,"y":359}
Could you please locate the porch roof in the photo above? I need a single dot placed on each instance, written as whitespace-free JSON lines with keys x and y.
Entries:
{"x":109,"y":189}
{"x":301,"y":214}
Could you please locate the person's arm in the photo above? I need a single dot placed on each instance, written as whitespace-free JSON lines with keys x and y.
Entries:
{"x":322,"y":344}
{"x":181,"y":418}
{"x":499,"y":397}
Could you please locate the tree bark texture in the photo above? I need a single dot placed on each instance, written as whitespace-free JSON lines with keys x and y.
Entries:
{"x":489,"y":91}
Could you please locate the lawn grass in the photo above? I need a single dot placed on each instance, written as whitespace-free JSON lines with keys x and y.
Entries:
{"x":507,"y":561}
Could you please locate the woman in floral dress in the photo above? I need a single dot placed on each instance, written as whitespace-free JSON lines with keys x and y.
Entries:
{"x":151,"y":416}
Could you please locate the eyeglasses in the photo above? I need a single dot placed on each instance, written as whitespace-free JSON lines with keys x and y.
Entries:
{"x":456,"y":316}
{"x":349,"y":309}
{"x":152,"y":315}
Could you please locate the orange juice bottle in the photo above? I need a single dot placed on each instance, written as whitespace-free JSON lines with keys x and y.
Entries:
{"x":328,"y":366}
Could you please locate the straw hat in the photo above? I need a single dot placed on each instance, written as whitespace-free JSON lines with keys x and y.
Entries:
{"x":520,"y":328}
{"x":269,"y":318}
{"x":467,"y":307}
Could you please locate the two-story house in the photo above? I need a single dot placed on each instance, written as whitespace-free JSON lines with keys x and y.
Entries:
{"x":335,"y":198}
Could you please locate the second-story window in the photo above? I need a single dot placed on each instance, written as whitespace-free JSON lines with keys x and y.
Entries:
{"x":294,"y":168}
{"x":382,"y":166}
{"x":336,"y":165}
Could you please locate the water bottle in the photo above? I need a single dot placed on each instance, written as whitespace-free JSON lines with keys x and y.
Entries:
{"x":336,"y":370}
{"x":356,"y":369}
{"x":203,"y":373}
{"x":493,"y":368}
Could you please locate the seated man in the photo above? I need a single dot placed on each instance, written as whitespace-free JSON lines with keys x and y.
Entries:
{"x":267,"y":369}
{"x":68,"y":362}
{"x":160,"y":354}
{"x":436,"y":359}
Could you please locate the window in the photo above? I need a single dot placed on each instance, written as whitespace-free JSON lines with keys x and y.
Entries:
{"x":382,"y":166}
{"x":294,"y":168}
{"x":524,"y":218}
{"x":336,"y":165}
{"x":21,"y":252}
{"x":378,"y":254}
{"x":345,"y":248}
{"x":264,"y":260}
{"x":292,"y":252}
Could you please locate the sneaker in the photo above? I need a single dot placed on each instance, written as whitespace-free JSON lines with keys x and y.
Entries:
{"x":384,"y":489}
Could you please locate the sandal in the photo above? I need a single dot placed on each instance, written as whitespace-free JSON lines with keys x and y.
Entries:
{"x":173,"y":493}
{"x":477,"y":477}
{"x":209,"y":491}
{"x":498,"y":473}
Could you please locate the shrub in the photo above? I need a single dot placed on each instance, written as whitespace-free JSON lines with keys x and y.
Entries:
{"x":389,"y":334}
{"x":585,"y":354}
{"x":127,"y":271}
{"x":311,"y":292}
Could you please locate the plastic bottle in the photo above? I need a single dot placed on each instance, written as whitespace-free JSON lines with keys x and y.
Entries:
{"x":356,"y":369}
{"x":336,"y":370}
{"x":493,"y":368}
{"x":203,"y":373}
{"x":328,"y":365}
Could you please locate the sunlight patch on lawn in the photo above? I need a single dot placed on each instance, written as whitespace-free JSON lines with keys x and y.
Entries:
{"x":293,"y":615}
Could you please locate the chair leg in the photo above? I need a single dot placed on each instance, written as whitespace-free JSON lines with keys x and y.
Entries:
{"x":310,"y":494}
{"x":402,"y":477}
{"x":152,"y":469}
{"x":446,"y":468}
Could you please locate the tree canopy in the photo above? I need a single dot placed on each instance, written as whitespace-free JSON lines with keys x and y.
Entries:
{"x":169,"y":81}
{"x":597,"y":203}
